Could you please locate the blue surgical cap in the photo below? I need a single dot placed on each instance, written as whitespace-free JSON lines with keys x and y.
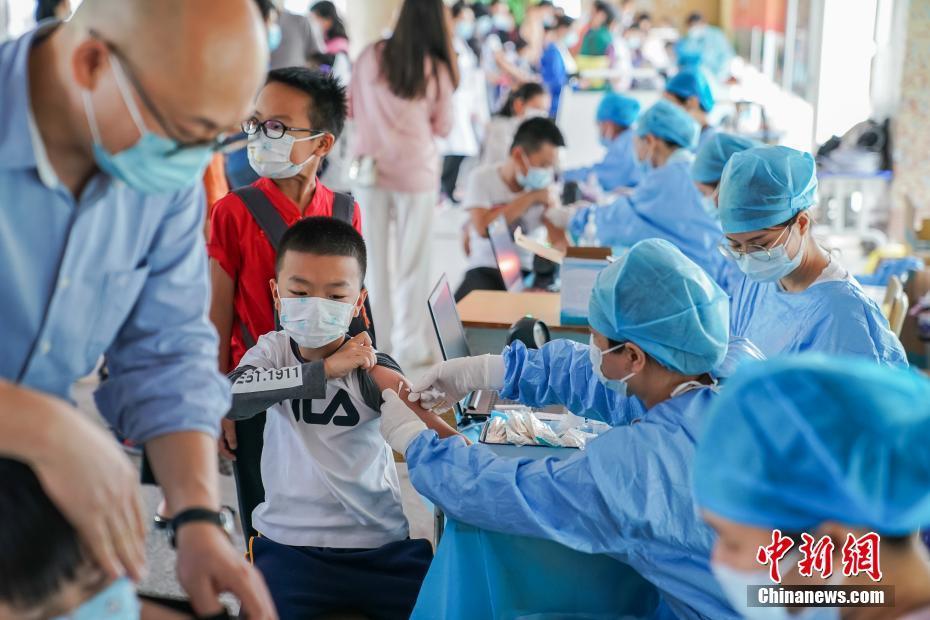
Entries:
{"x":655,"y":297}
{"x":689,"y":83}
{"x":668,"y":121}
{"x":764,"y":187}
{"x":618,"y":109}
{"x":714,"y":154}
{"x":796,"y":442}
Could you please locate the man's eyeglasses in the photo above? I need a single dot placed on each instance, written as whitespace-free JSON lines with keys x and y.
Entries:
{"x":221,"y":143}
{"x":275,"y":129}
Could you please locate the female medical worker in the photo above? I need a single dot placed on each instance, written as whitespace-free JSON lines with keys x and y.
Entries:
{"x":706,"y":171}
{"x":620,"y":168}
{"x":659,"y":326}
{"x":691,"y":90}
{"x":665,"y":204}
{"x":795,"y":296}
{"x":709,"y":161}
{"x":823,"y":446}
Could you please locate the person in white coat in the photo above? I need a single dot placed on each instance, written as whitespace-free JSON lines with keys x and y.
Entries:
{"x":469,"y":102}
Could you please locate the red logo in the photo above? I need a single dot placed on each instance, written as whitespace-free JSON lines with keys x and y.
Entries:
{"x":774,"y":552}
{"x":860,"y":555}
{"x":816,"y":556}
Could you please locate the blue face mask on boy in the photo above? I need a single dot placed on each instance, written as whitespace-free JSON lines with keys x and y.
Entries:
{"x":152,"y":165}
{"x":117,"y":601}
{"x":535,"y":178}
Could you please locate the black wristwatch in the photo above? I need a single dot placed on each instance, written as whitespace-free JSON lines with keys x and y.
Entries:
{"x":222,"y":519}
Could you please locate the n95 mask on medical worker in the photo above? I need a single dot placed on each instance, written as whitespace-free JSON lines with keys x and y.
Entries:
{"x":313,"y":322}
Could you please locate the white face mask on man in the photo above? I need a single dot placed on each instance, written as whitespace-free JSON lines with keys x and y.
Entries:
{"x":314,"y":322}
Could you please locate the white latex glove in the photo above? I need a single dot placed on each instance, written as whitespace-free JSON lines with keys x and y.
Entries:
{"x":560,"y":217}
{"x":399,"y":424}
{"x":449,"y":382}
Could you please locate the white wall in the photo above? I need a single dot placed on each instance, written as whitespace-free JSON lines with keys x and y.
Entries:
{"x":847,"y":49}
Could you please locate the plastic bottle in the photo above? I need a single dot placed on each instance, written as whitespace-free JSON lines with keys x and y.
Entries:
{"x":589,"y":236}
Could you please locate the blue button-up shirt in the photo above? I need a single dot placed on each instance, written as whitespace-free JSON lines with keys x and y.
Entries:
{"x":111,"y":271}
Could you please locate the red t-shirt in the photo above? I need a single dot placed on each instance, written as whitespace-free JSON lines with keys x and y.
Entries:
{"x":238,"y":244}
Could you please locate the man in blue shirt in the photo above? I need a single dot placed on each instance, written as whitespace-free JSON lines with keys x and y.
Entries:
{"x":109,"y":120}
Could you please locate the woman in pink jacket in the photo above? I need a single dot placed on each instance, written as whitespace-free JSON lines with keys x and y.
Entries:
{"x":401,"y":100}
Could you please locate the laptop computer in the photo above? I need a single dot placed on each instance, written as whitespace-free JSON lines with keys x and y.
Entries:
{"x":506,"y":254}
{"x":452,"y":343}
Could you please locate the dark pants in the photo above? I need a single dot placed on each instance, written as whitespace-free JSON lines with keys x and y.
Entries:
{"x":306,"y":582}
{"x":480,"y":279}
{"x":450,"y":174}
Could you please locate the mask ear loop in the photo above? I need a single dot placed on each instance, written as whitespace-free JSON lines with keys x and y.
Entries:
{"x":312,"y":155}
{"x":91,"y":116}
{"x":122,"y":83}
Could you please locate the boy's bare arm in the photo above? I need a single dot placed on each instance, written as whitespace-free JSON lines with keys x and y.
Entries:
{"x":386,"y":378}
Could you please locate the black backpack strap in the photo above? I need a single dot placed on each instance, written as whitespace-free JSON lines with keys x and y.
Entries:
{"x":343,"y":207}
{"x":267,"y":217}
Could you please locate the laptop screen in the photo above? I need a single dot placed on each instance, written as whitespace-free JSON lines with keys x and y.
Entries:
{"x":446,"y":321}
{"x":505,"y":252}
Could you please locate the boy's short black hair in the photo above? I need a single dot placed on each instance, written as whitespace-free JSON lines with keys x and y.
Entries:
{"x":41,"y":552}
{"x":327,"y":109}
{"x":535,"y":132}
{"x":324,"y":236}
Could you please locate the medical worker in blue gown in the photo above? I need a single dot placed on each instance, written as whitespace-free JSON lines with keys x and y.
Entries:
{"x":827,"y":446}
{"x":659,"y":326}
{"x":795,"y":295}
{"x":665,"y":204}
{"x":690,"y":89}
{"x":619,"y":168}
{"x":709,"y":161}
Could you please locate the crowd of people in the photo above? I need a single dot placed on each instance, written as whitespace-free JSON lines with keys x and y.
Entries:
{"x":245,"y":240}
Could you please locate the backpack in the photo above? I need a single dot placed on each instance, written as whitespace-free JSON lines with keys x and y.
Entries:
{"x":250,"y":433}
{"x":274,"y":227}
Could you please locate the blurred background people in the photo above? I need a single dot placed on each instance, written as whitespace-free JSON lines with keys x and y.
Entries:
{"x":529,"y":100}
{"x":330,"y":24}
{"x":557,"y":64}
{"x":469,"y":103}
{"x":299,"y":41}
{"x":401,"y":100}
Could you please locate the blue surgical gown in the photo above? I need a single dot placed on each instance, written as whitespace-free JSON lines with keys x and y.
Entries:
{"x":627,"y":495}
{"x":830,"y":317}
{"x":707,"y":132}
{"x":708,"y":48}
{"x":665,"y":205}
{"x":554,"y":75}
{"x":618,"y":169}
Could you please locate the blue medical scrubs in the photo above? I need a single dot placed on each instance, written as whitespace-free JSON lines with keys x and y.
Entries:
{"x":830,"y":317}
{"x":707,"y":132}
{"x":665,"y":205}
{"x":618,"y":169}
{"x":627,"y":495}
{"x":554,"y":75}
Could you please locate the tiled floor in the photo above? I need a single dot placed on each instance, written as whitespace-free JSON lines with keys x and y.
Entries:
{"x":447,"y":258}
